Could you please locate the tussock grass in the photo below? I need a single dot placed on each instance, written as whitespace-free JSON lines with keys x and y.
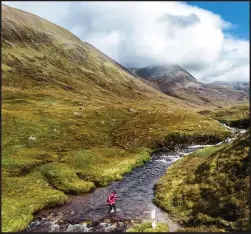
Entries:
{"x":21,"y":196}
{"x":209,"y":188}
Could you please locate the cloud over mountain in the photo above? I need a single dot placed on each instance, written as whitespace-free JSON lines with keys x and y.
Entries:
{"x":138,"y":34}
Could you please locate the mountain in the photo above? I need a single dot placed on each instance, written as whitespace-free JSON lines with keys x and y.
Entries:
{"x":49,"y":55}
{"x":241,"y":86}
{"x":175,"y":81}
{"x":74,"y":119}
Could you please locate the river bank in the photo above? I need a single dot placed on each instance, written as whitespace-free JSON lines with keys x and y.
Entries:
{"x":88,"y":213}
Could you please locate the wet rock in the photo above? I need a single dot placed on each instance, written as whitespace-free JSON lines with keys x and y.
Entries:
{"x":75,"y":228}
{"x":85,"y":223}
{"x":103,"y":224}
{"x":33,"y":224}
{"x":54,"y":227}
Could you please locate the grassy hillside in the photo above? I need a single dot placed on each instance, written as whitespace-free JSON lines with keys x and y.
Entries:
{"x":236,"y":116}
{"x":209,"y":189}
{"x":66,"y":127}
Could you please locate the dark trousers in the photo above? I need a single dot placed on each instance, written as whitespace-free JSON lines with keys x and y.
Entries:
{"x":112,"y":206}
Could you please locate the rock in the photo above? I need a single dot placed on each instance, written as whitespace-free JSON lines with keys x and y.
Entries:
{"x":103,"y":224}
{"x":107,"y":220}
{"x":75,"y":228}
{"x":84,"y":225}
{"x":60,"y":221}
{"x":102,"y":122}
{"x":54,"y":227}
{"x":32,"y":138}
{"x":72,"y":213}
{"x":131,"y":110}
{"x":77,"y":114}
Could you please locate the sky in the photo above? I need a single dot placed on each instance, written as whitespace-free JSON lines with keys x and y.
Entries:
{"x":209,"y":39}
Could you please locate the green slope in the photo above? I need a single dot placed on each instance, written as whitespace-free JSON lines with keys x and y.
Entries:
{"x":236,"y":116}
{"x":209,"y":189}
{"x":74,"y":100}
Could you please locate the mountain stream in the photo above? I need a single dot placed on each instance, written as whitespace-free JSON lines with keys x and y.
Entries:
{"x":89,"y":212}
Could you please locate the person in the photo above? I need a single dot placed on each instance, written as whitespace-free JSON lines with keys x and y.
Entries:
{"x":111,"y":201}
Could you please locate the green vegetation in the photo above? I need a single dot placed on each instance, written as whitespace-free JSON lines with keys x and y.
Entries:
{"x":236,"y":116}
{"x":147,"y":227}
{"x":202,"y":228}
{"x":209,"y":188}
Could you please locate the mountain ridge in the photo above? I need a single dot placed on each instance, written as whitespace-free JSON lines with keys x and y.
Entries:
{"x":175,"y":81}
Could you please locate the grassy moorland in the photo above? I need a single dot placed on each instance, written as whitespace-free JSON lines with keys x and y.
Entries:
{"x":236,"y":116}
{"x":209,"y":189}
{"x":72,"y":102}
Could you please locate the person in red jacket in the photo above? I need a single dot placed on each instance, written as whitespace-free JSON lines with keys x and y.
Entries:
{"x":111,"y":201}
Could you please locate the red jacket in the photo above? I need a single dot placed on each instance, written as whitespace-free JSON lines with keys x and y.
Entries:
{"x":111,"y":199}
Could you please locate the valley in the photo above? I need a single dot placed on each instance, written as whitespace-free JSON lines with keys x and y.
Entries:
{"x":75,"y":123}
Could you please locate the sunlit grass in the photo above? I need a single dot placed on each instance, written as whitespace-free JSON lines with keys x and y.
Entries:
{"x":209,"y":187}
{"x":237,"y":116}
{"x":147,"y":227}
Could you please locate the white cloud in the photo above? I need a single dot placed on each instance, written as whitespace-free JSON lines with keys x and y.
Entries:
{"x":146,"y":33}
